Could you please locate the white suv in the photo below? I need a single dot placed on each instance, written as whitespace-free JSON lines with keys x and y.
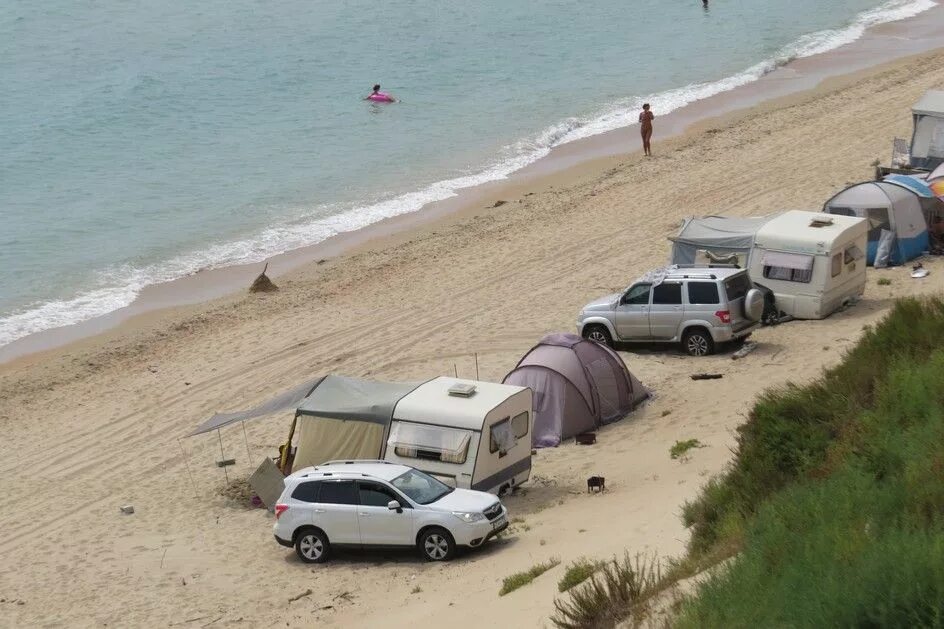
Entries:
{"x":377,"y":503}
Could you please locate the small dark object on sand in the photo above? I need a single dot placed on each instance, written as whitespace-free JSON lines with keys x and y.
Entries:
{"x":498,"y":203}
{"x":707,"y":376}
{"x":586,"y":439}
{"x":263,"y":284}
{"x":596,"y":482}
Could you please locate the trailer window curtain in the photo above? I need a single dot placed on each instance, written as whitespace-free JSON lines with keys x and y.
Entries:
{"x":790,"y":267}
{"x":418,"y":441}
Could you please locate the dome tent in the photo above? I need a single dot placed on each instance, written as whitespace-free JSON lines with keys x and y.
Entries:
{"x":578,"y":386}
{"x":888,"y":207}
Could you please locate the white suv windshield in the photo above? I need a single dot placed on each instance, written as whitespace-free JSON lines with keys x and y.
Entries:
{"x":421,"y":488}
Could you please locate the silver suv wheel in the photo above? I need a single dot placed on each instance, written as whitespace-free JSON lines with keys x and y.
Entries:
{"x":698,"y":343}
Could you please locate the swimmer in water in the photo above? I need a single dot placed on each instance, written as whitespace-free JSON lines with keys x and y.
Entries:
{"x":381,"y":97}
{"x":645,"y":127}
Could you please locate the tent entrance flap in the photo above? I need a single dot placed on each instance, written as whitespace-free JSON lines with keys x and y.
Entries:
{"x":794,"y":261}
{"x":436,"y":443}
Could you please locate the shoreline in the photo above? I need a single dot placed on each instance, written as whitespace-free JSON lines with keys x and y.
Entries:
{"x":574,"y":161}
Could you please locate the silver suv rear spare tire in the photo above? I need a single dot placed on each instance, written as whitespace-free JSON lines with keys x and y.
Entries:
{"x":311,"y":546}
{"x":436,"y":544}
{"x":753,"y":305}
{"x":598,"y":334}
{"x":698,"y":342}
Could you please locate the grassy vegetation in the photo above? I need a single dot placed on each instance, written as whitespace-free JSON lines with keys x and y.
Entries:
{"x":883,"y":281}
{"x":577,"y":572}
{"x":618,"y":590}
{"x":681,"y":447}
{"x":836,"y":497}
{"x":520,"y":579}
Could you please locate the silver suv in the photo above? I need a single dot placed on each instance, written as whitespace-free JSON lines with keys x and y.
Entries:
{"x":699,"y":307}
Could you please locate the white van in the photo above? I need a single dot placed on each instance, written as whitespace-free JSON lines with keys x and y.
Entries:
{"x":468,"y":434}
{"x":814,"y":263}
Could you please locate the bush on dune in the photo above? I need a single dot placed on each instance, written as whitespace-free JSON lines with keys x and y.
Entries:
{"x":836,"y":497}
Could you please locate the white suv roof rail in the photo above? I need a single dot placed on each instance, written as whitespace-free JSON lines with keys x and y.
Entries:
{"x":354,"y":461}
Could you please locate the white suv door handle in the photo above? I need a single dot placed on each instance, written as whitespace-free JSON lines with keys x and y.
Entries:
{"x":365,"y":515}
{"x":318,"y":510}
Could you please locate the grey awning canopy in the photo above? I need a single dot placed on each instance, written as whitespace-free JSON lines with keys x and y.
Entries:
{"x":338,"y":397}
{"x":721,"y":231}
{"x":335,"y":397}
{"x":283,"y":402}
{"x":931,"y":104}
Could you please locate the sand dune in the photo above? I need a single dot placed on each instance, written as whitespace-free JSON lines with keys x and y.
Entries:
{"x":97,"y":425}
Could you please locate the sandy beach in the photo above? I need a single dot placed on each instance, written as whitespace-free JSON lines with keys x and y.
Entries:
{"x":101,"y":423}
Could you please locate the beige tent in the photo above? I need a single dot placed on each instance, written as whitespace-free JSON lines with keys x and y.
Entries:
{"x":344,"y":418}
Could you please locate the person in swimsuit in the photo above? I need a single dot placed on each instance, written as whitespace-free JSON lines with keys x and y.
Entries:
{"x":645,"y":127}
{"x":377,"y":95}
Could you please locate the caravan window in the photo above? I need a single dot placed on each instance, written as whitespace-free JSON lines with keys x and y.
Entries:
{"x":837,"y":264}
{"x":519,"y":424}
{"x":790,"y":267}
{"x":501,"y":438}
{"x":432,"y":443}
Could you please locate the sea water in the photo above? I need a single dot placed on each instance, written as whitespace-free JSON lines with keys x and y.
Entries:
{"x":142,"y":141}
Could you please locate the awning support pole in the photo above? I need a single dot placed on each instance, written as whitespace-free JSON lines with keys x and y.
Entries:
{"x":222,"y":456}
{"x":246,"y":437}
{"x":189,"y":473}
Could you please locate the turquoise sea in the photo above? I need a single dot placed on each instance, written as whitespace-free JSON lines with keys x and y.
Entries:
{"x":140,"y":142}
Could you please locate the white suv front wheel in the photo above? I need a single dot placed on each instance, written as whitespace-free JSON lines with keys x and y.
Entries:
{"x":312,"y":546}
{"x":436,"y":544}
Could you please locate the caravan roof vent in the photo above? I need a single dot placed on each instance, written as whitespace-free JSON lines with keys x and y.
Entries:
{"x":821,"y":221}
{"x":462,"y":389}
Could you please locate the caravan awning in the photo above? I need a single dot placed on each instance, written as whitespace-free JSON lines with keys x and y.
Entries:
{"x":283,"y":402}
{"x":795,"y":261}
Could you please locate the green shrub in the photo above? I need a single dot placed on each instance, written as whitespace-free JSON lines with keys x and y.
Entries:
{"x":681,"y":447}
{"x":520,"y":579}
{"x":577,"y":572}
{"x":619,"y":590}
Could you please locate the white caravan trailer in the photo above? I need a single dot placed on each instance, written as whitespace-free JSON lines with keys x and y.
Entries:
{"x":813,"y":263}
{"x":468,"y":434}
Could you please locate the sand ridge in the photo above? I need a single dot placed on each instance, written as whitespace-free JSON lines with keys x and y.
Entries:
{"x":91,"y":427}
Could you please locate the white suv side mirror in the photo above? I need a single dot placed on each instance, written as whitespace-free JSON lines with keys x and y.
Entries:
{"x":393,"y":505}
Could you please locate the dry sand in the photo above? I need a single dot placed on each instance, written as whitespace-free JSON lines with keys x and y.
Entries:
{"x":99,"y":424}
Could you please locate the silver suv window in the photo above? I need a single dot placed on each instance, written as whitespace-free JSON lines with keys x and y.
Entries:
{"x":667,"y":293}
{"x":703,"y":293}
{"x":737,"y":286}
{"x":637,"y":295}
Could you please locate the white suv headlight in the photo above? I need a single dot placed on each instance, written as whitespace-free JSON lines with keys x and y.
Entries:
{"x":469,"y":518}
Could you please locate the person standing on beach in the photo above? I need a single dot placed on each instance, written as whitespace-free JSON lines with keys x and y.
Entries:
{"x":645,"y":127}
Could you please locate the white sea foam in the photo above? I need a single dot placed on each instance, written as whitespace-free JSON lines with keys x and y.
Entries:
{"x":117,"y":288}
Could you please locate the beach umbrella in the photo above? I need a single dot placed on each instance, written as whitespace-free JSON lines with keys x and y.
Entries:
{"x":914,"y":184}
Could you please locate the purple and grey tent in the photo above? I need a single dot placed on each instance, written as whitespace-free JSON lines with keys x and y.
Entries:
{"x":578,"y":386}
